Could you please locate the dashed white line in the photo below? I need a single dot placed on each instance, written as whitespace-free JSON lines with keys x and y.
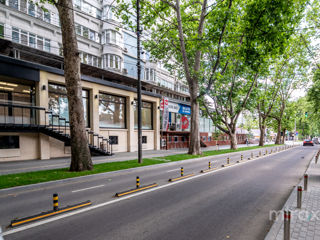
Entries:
{"x":32,"y":225}
{"x":84,"y":189}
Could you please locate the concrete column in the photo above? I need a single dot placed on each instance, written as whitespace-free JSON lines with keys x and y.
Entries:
{"x":94,"y":110}
{"x":132,"y":142}
{"x":42,"y":98}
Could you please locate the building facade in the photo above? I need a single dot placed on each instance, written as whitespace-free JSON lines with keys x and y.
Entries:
{"x":31,"y":38}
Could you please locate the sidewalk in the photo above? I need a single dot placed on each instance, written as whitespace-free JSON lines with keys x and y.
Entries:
{"x":36,"y":165}
{"x":305,"y":222}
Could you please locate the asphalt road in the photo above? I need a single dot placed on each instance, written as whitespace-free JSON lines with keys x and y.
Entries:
{"x":230,"y":203}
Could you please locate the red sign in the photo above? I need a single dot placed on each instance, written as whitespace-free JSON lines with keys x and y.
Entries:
{"x":185,"y":122}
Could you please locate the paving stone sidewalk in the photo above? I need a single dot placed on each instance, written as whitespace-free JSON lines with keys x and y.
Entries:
{"x":305,"y":222}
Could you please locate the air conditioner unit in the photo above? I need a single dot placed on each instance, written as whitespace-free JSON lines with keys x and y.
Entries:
{"x":125,"y":71}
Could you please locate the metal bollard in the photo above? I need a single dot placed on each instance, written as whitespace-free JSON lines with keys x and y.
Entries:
{"x":251,"y":155}
{"x":181,"y":171}
{"x":286,"y":225}
{"x":137,"y":182}
{"x":259,"y":153}
{"x":266,"y":151}
{"x":299,"y":196}
{"x":209,"y":165}
{"x":305,"y":182}
{"x":228,"y":160}
{"x":55,"y":202}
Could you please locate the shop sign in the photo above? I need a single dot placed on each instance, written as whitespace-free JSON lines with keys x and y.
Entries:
{"x":185,"y":110}
{"x":173,"y":107}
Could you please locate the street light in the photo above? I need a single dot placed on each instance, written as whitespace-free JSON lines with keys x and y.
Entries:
{"x":139,"y":84}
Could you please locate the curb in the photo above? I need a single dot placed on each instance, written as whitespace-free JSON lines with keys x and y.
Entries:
{"x":179,"y":178}
{"x":47,"y":214}
{"x":120,"y":194}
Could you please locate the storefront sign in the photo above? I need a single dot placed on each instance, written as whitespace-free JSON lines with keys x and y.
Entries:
{"x":185,"y":122}
{"x":185,"y":110}
{"x":165,"y":116}
{"x":174,"y":107}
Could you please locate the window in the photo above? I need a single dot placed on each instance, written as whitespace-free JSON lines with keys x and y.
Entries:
{"x":146,"y":115}
{"x":150,"y":74}
{"x":47,"y":16}
{"x":24,"y":38}
{"x":31,"y":9}
{"x":32,"y":40}
{"x":40,"y":43}
{"x":9,"y":142}
{"x":1,"y":30}
{"x":107,"y":13}
{"x":15,"y":35}
{"x":58,"y":102}
{"x":47,"y":46}
{"x":113,"y":37}
{"x":144,"y":139}
{"x":90,"y":59}
{"x":13,"y":4}
{"x":112,"y":61}
{"x":23,"y":6}
{"x":78,"y":29}
{"x":112,"y":111}
{"x":39,"y":13}
{"x":113,"y":139}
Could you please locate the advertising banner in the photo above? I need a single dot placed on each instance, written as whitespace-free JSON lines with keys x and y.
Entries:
{"x":184,"y":109}
{"x":165,"y":113}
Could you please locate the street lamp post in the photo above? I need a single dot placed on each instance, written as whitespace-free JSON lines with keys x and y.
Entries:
{"x":139,"y":84}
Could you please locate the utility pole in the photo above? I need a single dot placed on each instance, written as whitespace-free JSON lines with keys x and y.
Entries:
{"x":139,"y":85}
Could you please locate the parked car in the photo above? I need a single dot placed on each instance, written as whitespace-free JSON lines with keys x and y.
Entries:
{"x":308,"y":142}
{"x":315,"y":140}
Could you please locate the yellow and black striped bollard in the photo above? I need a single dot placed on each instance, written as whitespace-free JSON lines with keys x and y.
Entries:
{"x":55,"y":202}
{"x":259,"y":153}
{"x":241,"y":157}
{"x":228,"y":160}
{"x":181,"y":171}
{"x":137,"y":182}
{"x":209,"y":165}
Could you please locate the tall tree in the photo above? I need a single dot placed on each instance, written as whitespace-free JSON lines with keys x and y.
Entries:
{"x":294,"y":76}
{"x":80,"y":153}
{"x":253,"y":38}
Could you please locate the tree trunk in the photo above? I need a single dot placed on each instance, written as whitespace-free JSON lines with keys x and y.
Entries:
{"x":194,"y":147}
{"x":80,"y":153}
{"x":262,"y":135}
{"x":233,"y":140}
{"x":278,"y":139}
{"x":284,"y":136}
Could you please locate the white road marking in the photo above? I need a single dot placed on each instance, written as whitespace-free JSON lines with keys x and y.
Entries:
{"x":84,"y":189}
{"x":178,"y":169}
{"x":92,"y":207}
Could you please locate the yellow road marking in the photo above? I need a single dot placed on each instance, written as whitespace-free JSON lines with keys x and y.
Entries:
{"x":50,"y":214}
{"x":136,"y":190}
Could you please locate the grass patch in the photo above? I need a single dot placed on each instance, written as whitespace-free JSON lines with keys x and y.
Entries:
{"x":19,"y":179}
{"x":179,"y":157}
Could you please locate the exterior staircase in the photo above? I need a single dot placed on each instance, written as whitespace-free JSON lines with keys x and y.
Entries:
{"x":23,"y":118}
